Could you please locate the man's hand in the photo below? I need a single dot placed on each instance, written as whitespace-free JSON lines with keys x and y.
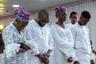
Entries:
{"x":24,"y":46}
{"x":40,"y":57}
{"x":94,"y":50}
{"x":48,"y":53}
{"x":43,"y":58}
{"x":76,"y":62}
{"x":70,"y":59}
{"x":92,"y":61}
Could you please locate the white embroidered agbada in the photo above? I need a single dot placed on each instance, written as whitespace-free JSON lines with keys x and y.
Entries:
{"x":12,"y":38}
{"x":42,"y":37}
{"x":63,"y":43}
{"x":82,"y":43}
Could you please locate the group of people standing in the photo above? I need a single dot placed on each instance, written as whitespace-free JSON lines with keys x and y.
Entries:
{"x":35,"y":42}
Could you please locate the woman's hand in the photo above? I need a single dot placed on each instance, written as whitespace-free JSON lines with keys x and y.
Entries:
{"x":70,"y":59}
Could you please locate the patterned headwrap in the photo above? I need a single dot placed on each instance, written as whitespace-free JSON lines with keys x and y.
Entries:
{"x":22,"y":14}
{"x":59,"y":9}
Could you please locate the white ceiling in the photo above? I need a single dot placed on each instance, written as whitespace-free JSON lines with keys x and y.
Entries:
{"x":31,"y":4}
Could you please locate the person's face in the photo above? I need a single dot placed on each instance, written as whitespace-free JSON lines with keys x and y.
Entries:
{"x":74,"y":18}
{"x":62,"y":16}
{"x":43,"y":20}
{"x":83,"y":20}
{"x":22,"y":25}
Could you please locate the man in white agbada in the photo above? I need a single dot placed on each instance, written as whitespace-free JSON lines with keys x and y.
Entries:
{"x":40,"y":33}
{"x":63,"y":52}
{"x":81,"y":39}
{"x":16,"y":44}
{"x":74,"y":16}
{"x":73,"y":19}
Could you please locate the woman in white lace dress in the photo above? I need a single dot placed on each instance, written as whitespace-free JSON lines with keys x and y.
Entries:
{"x":15,"y":49}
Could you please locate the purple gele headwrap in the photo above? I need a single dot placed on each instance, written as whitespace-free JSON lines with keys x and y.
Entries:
{"x":59,"y":9}
{"x":22,"y":14}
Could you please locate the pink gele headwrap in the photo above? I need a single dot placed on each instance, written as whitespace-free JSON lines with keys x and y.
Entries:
{"x":59,"y":9}
{"x":22,"y":14}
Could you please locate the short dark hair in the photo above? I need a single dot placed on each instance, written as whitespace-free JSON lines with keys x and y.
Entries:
{"x":86,"y":14}
{"x":43,"y":12}
{"x":73,"y":12}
